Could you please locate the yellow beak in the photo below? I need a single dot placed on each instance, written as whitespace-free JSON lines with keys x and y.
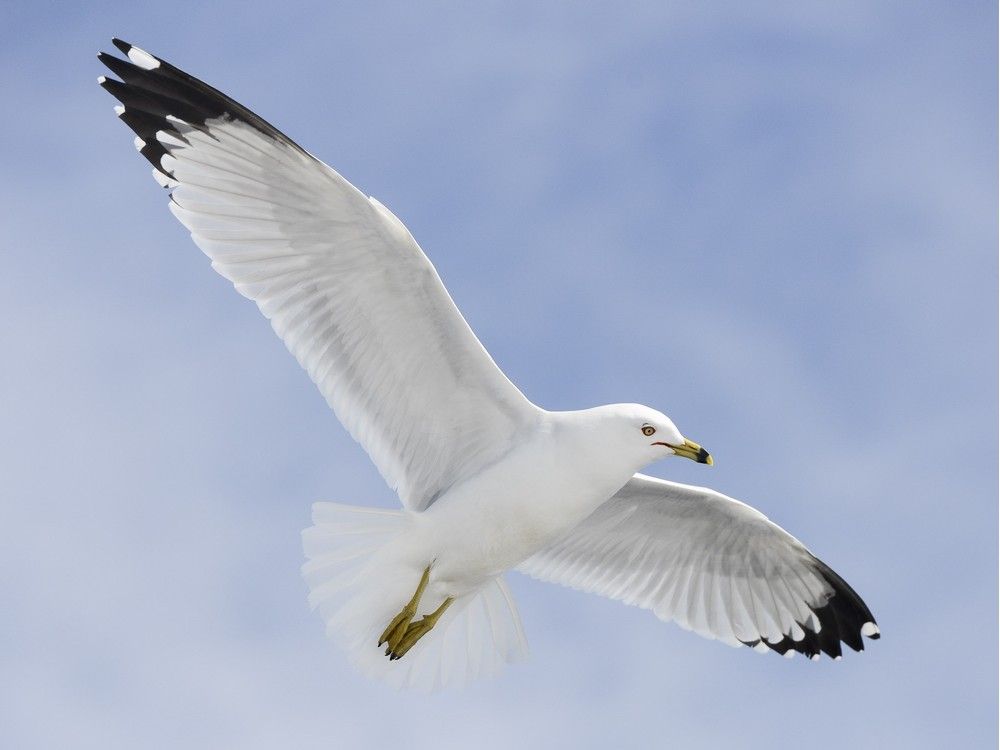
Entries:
{"x":693,"y":451}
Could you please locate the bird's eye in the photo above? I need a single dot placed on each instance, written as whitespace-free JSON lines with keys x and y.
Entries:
{"x":648,"y":430}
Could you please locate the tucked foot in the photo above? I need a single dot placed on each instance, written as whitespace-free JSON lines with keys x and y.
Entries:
{"x":394,"y":633}
{"x":399,"y":625}
{"x":417,"y":630}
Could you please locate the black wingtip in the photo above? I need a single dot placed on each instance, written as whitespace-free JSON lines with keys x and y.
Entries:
{"x":843,"y":618}
{"x":156,"y":93}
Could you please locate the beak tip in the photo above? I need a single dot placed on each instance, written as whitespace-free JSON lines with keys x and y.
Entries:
{"x":692,"y":450}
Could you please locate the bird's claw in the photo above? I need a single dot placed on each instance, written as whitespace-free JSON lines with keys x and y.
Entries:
{"x":414,"y":632}
{"x":401,"y":633}
{"x":396,"y":629}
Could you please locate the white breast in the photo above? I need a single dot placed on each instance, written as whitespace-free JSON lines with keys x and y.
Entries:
{"x":515,"y":507}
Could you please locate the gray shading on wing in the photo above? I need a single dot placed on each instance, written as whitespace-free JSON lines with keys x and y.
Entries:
{"x":341,"y":279}
{"x":712,"y":565}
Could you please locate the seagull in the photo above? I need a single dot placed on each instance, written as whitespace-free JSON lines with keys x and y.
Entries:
{"x":488,"y":481}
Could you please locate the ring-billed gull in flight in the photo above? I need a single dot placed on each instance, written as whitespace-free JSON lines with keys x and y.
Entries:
{"x":488,"y":481}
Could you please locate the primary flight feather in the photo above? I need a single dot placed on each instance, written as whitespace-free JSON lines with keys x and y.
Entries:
{"x":488,"y":481}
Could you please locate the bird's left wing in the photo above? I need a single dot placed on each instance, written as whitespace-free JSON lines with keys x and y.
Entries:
{"x":341,"y":279}
{"x":711,"y":564}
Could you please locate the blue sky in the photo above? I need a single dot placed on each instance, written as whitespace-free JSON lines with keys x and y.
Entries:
{"x":776,"y":222}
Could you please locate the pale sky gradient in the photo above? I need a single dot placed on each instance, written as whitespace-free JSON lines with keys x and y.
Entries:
{"x":774,"y":221}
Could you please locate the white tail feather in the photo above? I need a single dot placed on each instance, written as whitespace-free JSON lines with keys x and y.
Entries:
{"x":358,"y":588}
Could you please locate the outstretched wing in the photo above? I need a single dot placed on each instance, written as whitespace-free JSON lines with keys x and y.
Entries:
{"x":341,"y":279}
{"x":712,"y":565}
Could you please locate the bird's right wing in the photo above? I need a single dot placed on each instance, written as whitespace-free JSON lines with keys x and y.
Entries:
{"x":712,"y":565}
{"x":341,"y":279}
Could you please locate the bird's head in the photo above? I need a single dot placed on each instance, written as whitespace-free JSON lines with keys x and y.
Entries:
{"x":650,"y":435}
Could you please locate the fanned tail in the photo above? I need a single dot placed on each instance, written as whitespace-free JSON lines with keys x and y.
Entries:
{"x":358,"y":585}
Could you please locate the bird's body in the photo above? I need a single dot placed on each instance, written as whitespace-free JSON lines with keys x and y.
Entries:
{"x":488,"y":481}
{"x":548,"y":483}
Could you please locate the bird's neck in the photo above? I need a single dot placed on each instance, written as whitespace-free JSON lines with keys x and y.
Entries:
{"x":592,"y":450}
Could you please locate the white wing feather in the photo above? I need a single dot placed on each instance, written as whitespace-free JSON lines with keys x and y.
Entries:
{"x":712,"y":565}
{"x":341,"y":279}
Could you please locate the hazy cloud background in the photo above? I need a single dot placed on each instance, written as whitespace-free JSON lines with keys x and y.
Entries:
{"x":774,"y":221}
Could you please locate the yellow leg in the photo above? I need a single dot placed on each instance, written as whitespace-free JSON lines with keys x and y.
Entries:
{"x":417,"y":630}
{"x":396,"y":629}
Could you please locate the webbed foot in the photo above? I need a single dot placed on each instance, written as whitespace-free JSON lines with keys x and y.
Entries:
{"x":417,"y":630}
{"x":397,"y":628}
